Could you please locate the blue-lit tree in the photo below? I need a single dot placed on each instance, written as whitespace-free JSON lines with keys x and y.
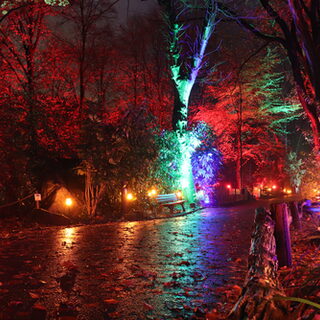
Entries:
{"x":206,"y":162}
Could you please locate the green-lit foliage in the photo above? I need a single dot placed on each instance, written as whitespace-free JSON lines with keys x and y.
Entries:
{"x":295,"y":170}
{"x":165,"y":169}
{"x":265,"y":90}
{"x":173,"y":170}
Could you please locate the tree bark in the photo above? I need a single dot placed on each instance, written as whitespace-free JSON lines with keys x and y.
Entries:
{"x":293,"y":206}
{"x":282,"y":234}
{"x":261,"y":285}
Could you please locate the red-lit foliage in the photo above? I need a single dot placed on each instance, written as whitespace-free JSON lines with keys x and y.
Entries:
{"x":244,"y":113}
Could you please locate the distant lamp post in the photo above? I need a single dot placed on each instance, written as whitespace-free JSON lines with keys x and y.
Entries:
{"x":37,"y":199}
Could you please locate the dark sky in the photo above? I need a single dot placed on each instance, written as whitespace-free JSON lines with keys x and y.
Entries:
{"x":132,"y":7}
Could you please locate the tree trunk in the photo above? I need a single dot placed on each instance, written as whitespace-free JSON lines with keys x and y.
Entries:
{"x":261,"y":285}
{"x":282,"y":234}
{"x":293,"y":206}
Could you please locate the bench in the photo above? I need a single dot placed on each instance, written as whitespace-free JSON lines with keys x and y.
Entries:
{"x":170,"y":200}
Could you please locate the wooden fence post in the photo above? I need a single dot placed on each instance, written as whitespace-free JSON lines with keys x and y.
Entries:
{"x":282,"y":234}
{"x":257,"y":300}
{"x":293,"y":206}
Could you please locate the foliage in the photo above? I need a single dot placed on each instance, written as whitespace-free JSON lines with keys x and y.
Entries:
{"x":206,"y":162}
{"x":295,"y":169}
{"x":311,"y":177}
{"x":205,"y":159}
{"x":119,"y":155}
{"x":294,"y":26}
{"x":165,"y":169}
{"x":247,"y":112}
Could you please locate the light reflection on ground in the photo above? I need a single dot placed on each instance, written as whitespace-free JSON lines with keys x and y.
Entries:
{"x":162,"y":269}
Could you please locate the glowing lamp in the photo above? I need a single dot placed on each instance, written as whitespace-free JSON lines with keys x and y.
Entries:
{"x":179,"y":194}
{"x":152,"y":192}
{"x":269,"y":189}
{"x":274,"y":187}
{"x":130,"y":196}
{"x":289,"y":191}
{"x":68,"y":202}
{"x":228,"y":186}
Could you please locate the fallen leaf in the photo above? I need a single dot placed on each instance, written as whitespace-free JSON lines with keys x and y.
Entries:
{"x":111,"y":301}
{"x":34,"y":295}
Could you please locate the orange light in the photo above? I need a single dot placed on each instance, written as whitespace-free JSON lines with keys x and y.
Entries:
{"x":289,"y":191}
{"x":68,"y":202}
{"x":130,"y":196}
{"x":152,"y":192}
{"x":179,"y":194}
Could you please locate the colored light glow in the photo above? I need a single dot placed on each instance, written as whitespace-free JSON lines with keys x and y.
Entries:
{"x":179,"y":194}
{"x":130,"y":197}
{"x":289,"y":191}
{"x":68,"y":202}
{"x":228,"y":186}
{"x":274,"y":187}
{"x":152,"y":192}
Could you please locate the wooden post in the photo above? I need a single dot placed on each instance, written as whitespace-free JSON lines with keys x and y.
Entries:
{"x":282,"y":234}
{"x":257,"y":300}
{"x":293,"y":206}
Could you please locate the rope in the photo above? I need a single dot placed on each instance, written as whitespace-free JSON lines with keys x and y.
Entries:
{"x":15,"y":202}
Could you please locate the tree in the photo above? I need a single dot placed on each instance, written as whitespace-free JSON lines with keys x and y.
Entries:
{"x":186,"y":58}
{"x":23,"y":35}
{"x":293,"y":24}
{"x":116,"y":154}
{"x":88,"y":21}
{"x":248,"y":112}
{"x":142,"y":73}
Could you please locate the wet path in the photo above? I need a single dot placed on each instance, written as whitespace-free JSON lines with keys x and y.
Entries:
{"x":162,"y":269}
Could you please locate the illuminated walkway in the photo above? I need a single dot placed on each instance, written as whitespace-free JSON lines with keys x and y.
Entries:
{"x":165,"y":269}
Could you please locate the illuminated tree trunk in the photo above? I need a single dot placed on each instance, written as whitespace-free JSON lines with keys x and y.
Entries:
{"x":184,"y":75}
